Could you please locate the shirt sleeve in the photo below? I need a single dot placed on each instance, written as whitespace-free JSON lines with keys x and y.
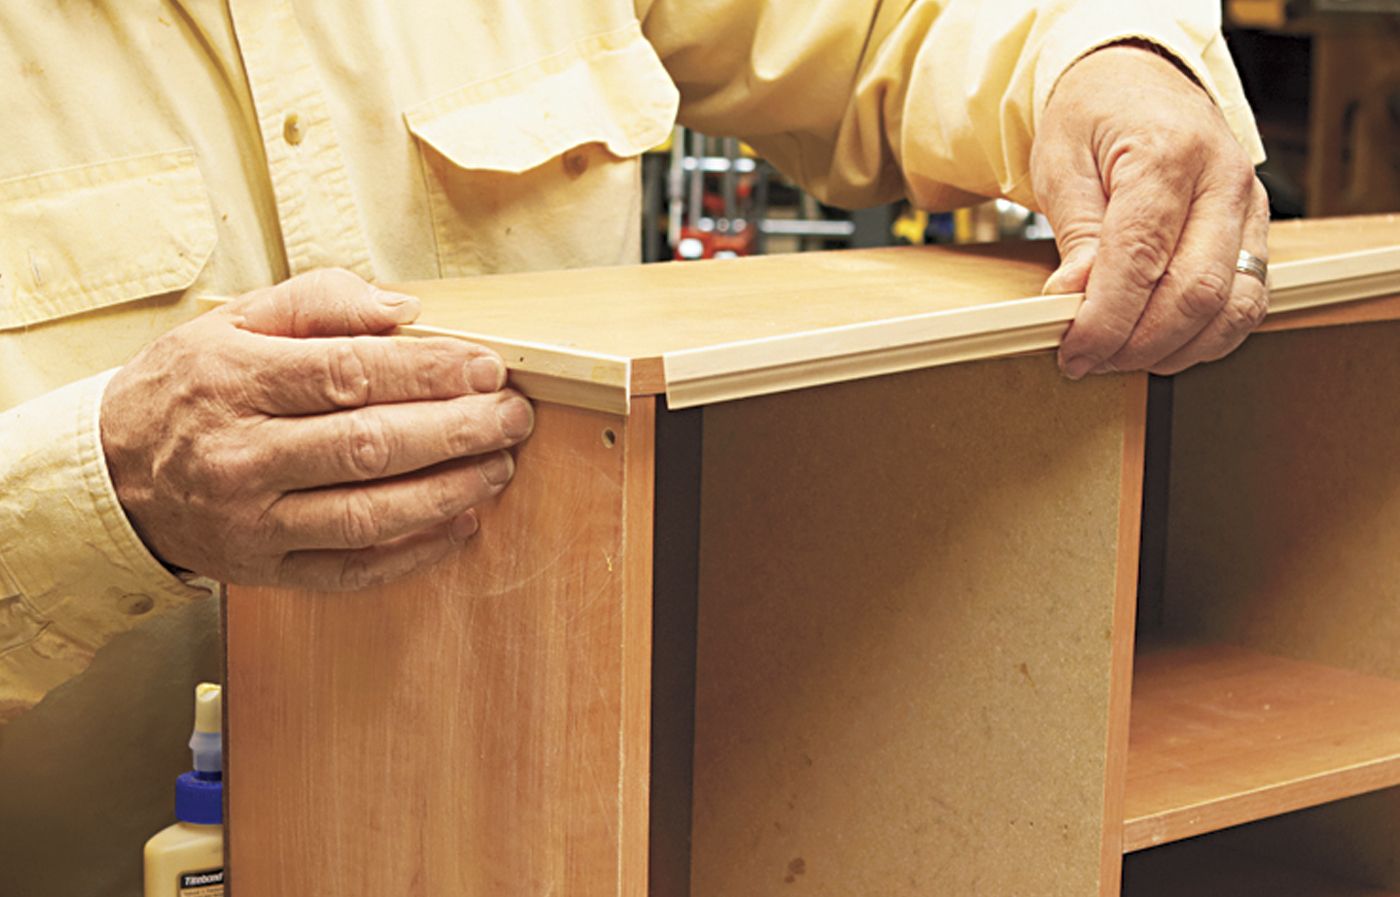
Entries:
{"x":864,"y":102}
{"x":73,"y":572}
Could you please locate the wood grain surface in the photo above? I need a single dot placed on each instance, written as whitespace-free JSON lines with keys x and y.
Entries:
{"x":478,"y":729}
{"x":1223,"y":736}
{"x":646,"y":311}
{"x":909,"y":594}
{"x":704,"y":332}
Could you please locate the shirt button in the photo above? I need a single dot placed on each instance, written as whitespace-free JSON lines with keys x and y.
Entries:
{"x":136,"y":605}
{"x":291,"y":129}
{"x":576,"y":163}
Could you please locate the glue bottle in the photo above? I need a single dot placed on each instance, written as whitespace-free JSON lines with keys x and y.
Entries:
{"x":187,"y":859}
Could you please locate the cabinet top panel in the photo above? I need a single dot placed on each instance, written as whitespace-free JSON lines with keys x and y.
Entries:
{"x":703,"y":332}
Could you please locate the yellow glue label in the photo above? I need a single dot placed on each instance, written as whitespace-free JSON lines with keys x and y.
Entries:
{"x":209,"y":883}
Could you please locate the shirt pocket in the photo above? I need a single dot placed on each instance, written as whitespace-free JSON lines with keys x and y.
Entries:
{"x":77,"y":239}
{"x":538,"y":168}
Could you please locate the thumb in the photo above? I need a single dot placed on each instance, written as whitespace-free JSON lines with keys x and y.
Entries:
{"x":1073,"y":274}
{"x":1076,"y":213}
{"x":322,"y":303}
{"x":1069,"y":190}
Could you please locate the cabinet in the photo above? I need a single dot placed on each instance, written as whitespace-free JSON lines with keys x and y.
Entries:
{"x":816,"y":576}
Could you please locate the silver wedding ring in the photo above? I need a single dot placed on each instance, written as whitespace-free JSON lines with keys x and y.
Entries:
{"x":1254,"y":266}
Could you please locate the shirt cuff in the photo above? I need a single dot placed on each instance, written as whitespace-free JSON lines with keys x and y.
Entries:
{"x":83,"y":574}
{"x":1188,"y":32}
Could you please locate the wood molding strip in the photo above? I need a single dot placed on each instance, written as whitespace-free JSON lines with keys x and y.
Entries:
{"x":1286,"y":277}
{"x":549,"y":373}
{"x":799,"y":360}
{"x":836,"y":354}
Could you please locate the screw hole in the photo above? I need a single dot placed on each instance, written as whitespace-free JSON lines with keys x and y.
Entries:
{"x":609,"y":438}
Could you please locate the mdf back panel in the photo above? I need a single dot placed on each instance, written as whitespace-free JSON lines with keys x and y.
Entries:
{"x":1284,"y":508}
{"x":479,"y":728}
{"x":914,"y":591}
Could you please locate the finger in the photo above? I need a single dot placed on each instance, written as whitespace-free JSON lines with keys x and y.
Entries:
{"x":317,"y":375}
{"x":1245,"y":310}
{"x":381,"y":511}
{"x":351,"y":569}
{"x":380,"y":441}
{"x":1199,"y":277}
{"x":1068,"y":188}
{"x":328,"y":302}
{"x":1141,"y":227}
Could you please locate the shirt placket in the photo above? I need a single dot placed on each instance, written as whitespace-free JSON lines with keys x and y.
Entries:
{"x":316,"y":208}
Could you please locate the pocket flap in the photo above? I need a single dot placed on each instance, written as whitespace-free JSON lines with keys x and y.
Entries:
{"x":76,"y":239}
{"x":609,"y":89}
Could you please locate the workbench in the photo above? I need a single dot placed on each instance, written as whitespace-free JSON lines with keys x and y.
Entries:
{"x":817,"y":577}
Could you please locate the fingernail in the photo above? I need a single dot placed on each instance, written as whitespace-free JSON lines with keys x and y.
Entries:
{"x":517,"y":418}
{"x":498,"y":470}
{"x":1076,"y":368}
{"x":485,"y":373}
{"x":464,"y":527}
{"x":401,"y":307}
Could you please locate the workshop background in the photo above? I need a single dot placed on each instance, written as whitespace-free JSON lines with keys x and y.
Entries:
{"x":1324,"y":80}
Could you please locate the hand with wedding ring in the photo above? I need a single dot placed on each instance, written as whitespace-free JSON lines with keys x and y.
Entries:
{"x":1159,"y":218}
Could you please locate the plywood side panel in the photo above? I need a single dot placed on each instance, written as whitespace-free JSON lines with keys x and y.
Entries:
{"x":1285,"y":498}
{"x":910,"y":589}
{"x":478,"y":729}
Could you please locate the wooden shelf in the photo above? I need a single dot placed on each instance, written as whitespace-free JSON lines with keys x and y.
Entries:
{"x":1202,"y":869}
{"x":1222,"y":736}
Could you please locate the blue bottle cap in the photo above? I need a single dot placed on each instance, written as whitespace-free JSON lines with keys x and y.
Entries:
{"x":199,"y":799}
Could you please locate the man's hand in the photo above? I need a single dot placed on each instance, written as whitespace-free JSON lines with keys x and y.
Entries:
{"x":278,"y":440}
{"x":1151,"y":200}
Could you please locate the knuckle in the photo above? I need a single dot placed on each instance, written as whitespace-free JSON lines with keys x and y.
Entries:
{"x":270,"y":527}
{"x":369,"y":451}
{"x":224,"y":471}
{"x":1173,"y":147}
{"x":1242,"y":176}
{"x":330,"y":281}
{"x":328,"y":290}
{"x":1244,"y":313}
{"x":1259,"y":202}
{"x":1205,"y":293}
{"x":458,"y":498}
{"x":359,"y":521}
{"x":438,"y":362}
{"x":1172,"y":150}
{"x":346,"y":376}
{"x":1100,"y":340}
{"x":1147,"y":255}
{"x":446,"y":503}
{"x":468,"y":430}
{"x":356,"y":571}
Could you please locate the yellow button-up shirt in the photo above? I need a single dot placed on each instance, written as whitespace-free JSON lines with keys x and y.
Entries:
{"x":159,"y":150}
